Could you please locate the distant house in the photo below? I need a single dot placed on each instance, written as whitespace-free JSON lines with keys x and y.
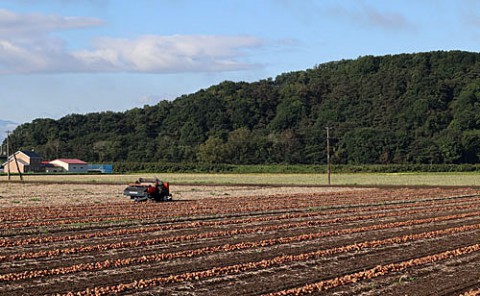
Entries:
{"x":71,"y":165}
{"x":27,"y":161}
{"x":50,"y":168}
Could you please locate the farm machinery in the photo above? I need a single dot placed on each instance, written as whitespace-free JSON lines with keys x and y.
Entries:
{"x":148,"y":189}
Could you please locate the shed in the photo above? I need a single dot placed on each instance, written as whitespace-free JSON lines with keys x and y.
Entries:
{"x":71,"y":165}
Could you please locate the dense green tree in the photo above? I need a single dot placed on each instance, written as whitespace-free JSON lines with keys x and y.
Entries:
{"x":286,"y":147}
{"x":288,"y":115}
{"x":421,"y":108}
{"x":212,"y":151}
{"x":470,"y":146}
{"x":450,"y":143}
{"x":466,"y":108}
{"x":424,"y":151}
{"x":240,"y":147}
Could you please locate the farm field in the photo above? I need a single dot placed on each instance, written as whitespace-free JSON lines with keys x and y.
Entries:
{"x":87,"y":239}
{"x":338,"y":179}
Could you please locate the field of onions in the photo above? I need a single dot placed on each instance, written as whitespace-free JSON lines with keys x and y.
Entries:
{"x":385,"y":241}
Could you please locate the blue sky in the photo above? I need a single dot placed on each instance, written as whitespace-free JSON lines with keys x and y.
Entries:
{"x":69,"y":56}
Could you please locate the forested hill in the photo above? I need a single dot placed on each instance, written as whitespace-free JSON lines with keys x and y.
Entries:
{"x":408,"y":108}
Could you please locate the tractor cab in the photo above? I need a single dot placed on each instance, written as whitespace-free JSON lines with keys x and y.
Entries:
{"x":148,"y":189}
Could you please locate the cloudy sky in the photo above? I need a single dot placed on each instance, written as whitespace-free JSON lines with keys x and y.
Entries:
{"x":78,"y":56}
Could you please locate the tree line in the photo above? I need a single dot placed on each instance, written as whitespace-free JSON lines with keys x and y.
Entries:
{"x":421,"y":108}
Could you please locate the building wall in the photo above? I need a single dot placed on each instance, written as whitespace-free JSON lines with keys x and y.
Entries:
{"x":34,"y":163}
{"x":54,"y":169}
{"x":21,"y":156}
{"x":60,"y":164}
{"x":71,"y":167}
{"x":13,"y":167}
{"x":78,"y":168}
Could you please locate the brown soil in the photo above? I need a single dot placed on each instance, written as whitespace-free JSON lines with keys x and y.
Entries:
{"x":235,"y":240}
{"x":35,"y":194}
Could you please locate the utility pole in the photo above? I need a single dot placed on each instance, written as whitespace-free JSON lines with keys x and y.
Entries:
{"x":328,"y":154}
{"x":18,"y":169}
{"x":8,"y":155}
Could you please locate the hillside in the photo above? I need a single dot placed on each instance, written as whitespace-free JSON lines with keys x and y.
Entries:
{"x":408,"y":108}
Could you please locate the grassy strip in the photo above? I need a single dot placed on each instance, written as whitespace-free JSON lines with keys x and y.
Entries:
{"x":357,"y":179}
{"x":151,"y":167}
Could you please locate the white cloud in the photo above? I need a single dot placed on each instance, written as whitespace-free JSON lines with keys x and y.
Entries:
{"x":28,"y":45}
{"x":14,"y":26}
{"x":148,"y":100}
{"x":169,"y":54}
{"x":369,"y":16}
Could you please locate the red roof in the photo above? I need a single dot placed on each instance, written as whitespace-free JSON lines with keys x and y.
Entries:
{"x":71,"y":160}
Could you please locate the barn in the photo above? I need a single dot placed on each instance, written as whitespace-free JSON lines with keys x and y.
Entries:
{"x":71,"y":165}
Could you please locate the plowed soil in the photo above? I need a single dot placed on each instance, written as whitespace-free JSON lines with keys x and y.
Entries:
{"x":62,"y":239}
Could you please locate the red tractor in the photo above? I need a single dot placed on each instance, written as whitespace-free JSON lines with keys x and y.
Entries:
{"x":148,"y":189}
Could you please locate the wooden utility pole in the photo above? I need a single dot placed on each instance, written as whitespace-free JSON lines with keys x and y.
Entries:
{"x":8,"y":154}
{"x":18,"y":168}
{"x":328,"y":155}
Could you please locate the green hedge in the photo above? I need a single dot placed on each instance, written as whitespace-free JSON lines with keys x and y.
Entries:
{"x":151,"y":167}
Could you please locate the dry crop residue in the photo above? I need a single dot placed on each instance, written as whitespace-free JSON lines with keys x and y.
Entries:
{"x":90,"y":240}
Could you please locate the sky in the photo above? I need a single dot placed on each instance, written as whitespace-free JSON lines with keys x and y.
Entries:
{"x":59,"y":57}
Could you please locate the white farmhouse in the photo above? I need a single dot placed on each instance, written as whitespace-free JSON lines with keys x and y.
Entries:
{"x":71,"y":165}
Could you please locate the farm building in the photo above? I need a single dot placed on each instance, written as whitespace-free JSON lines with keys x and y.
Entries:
{"x":71,"y":165}
{"x":26,"y":161}
{"x":50,"y":168}
{"x":100,"y":168}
